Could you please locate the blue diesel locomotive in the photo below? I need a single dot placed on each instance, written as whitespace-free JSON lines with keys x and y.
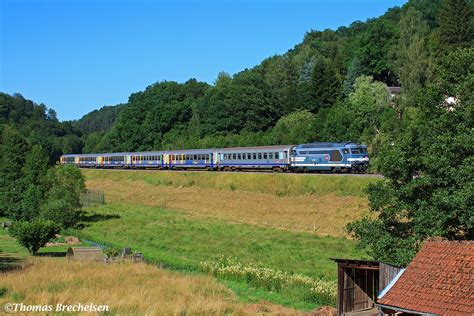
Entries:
{"x":343,"y":157}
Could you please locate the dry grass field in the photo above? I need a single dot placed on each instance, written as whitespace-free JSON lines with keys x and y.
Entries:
{"x":128,"y":289}
{"x":322,"y":213}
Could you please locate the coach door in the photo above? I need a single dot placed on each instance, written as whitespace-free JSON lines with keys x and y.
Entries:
{"x":166,"y":160}
{"x":214,"y":159}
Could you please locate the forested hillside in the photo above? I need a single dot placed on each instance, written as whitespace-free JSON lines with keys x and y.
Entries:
{"x":330,"y":87}
{"x":39,"y":125}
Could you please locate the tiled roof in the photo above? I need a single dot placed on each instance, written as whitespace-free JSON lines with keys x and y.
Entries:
{"x":439,"y":280}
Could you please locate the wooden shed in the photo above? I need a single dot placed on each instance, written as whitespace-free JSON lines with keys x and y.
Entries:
{"x":85,"y":254}
{"x":359,"y":284}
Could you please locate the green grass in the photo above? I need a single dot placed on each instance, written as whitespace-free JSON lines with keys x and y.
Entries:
{"x":250,"y":294}
{"x":10,"y":248}
{"x":277,"y":184}
{"x":176,"y":241}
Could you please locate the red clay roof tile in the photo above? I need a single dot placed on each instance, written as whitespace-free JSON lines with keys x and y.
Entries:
{"x":439,"y":280}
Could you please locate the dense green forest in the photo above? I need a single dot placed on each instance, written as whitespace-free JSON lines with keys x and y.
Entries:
{"x":330,"y":87}
{"x":39,"y":125}
{"x":333,"y":86}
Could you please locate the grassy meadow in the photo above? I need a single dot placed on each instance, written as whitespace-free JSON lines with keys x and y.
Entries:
{"x":230,"y":243}
{"x":243,"y":198}
{"x":128,"y":289}
{"x":269,"y":226}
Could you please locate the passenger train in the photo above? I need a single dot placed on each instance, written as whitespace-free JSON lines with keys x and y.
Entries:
{"x":343,"y":157}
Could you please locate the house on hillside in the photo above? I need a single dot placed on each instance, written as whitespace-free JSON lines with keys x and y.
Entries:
{"x":395,"y":91}
{"x":439,"y":281}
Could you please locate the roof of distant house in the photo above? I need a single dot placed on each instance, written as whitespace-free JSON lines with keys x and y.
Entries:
{"x":395,"y":90}
{"x":439,"y":280}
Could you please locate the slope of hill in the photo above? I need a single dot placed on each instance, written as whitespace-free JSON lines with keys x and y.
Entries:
{"x":98,"y":121}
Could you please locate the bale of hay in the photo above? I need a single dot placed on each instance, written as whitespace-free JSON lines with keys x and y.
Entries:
{"x":72,"y":240}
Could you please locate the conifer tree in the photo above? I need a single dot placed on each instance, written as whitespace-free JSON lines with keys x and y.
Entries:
{"x":13,"y":151}
{"x":412,"y":53}
{"x":455,"y":24}
{"x":34,"y":178}
{"x":325,"y":85}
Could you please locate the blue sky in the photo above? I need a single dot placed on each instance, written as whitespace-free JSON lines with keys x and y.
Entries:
{"x":76,"y":56}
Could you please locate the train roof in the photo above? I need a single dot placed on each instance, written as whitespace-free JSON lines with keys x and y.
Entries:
{"x":257,"y":148}
{"x":329,"y":145}
{"x":178,"y":151}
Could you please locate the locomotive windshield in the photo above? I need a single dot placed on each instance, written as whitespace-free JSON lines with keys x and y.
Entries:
{"x":359,"y":150}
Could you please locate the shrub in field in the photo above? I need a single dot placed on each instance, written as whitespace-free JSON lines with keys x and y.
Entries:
{"x":35,"y":234}
{"x":111,"y":252}
{"x":315,"y":290}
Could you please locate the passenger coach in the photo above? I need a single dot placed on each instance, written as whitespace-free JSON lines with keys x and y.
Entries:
{"x":343,"y":157}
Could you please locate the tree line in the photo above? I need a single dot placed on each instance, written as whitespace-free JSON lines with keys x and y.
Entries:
{"x":40,"y":199}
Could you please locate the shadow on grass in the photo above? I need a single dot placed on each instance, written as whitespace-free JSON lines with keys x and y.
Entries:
{"x":92,"y":218}
{"x":8,"y":263}
{"x":55,"y":254}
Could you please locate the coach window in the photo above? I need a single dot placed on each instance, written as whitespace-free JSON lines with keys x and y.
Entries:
{"x":265,"y":156}
{"x":254,"y":156}
{"x":336,"y":155}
